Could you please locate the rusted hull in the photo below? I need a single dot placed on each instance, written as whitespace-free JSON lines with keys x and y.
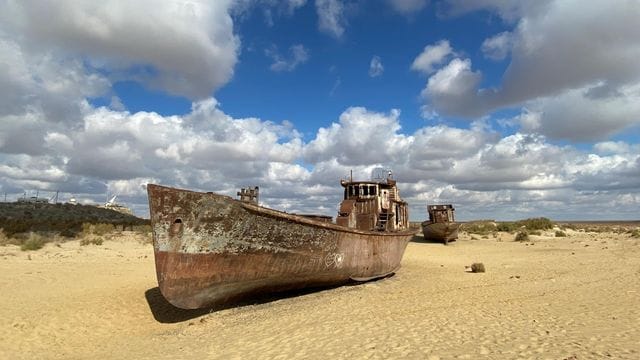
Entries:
{"x":443,"y":232}
{"x":210,"y":249}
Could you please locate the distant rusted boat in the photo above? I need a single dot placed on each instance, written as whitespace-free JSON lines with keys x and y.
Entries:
{"x":441,"y":225}
{"x":211,"y":249}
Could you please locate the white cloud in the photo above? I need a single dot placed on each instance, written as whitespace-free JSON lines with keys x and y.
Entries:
{"x":375,"y":67}
{"x":453,"y":88}
{"x":518,"y":176}
{"x":190,"y":45}
{"x":408,"y":6}
{"x":498,"y":46}
{"x":55,"y":85}
{"x":298,"y":54}
{"x":506,"y":9}
{"x":578,"y":69}
{"x":431,"y":56}
{"x":615,"y":147}
{"x":579,"y":116}
{"x":331,"y":17}
{"x":361,"y":137}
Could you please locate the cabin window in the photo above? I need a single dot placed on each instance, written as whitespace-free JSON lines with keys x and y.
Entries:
{"x":365,"y":190}
{"x":372,"y":190}
{"x":351,"y":191}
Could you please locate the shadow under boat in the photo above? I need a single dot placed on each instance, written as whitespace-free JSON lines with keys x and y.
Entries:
{"x":165,"y":313}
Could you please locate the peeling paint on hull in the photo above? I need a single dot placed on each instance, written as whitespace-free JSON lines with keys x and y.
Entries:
{"x":211,"y":249}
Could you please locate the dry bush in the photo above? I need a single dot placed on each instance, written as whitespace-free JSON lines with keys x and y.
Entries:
{"x":477,"y":268}
{"x":560,"y":233}
{"x":99,"y":229}
{"x":482,"y":227}
{"x":6,"y":240}
{"x":635,"y":233}
{"x":507,"y":226}
{"x":522,"y":236}
{"x":91,"y":240}
{"x":540,"y":223}
{"x":142,"y":229}
{"x":35,"y":241}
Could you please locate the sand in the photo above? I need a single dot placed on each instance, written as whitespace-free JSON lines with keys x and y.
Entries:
{"x":576,"y":297}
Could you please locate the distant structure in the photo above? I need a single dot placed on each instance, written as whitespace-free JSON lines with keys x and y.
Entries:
{"x":32,"y":199}
{"x":249,"y":195}
{"x":54,"y":198}
{"x":112,"y":205}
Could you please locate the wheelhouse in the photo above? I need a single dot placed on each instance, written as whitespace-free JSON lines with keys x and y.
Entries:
{"x":373,"y":205}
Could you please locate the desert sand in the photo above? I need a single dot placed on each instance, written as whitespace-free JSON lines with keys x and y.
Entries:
{"x":575,"y":297}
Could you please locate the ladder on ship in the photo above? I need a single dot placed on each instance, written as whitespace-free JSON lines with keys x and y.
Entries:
{"x":383,"y":219}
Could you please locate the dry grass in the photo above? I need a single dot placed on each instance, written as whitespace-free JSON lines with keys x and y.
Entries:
{"x":34,"y":241}
{"x":522,"y":236}
{"x":31,"y":226}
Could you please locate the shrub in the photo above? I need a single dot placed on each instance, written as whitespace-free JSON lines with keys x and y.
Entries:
{"x":535,"y":232}
{"x":635,"y":233}
{"x":477,"y":267}
{"x":4,"y":239}
{"x":541,"y":223}
{"x":560,"y":233}
{"x":99,"y":229}
{"x":146,"y":229}
{"x":91,"y":240}
{"x":522,"y":236}
{"x":479,"y":227}
{"x":506,"y":227}
{"x":34,"y":242}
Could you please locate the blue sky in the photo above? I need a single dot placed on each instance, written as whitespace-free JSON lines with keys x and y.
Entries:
{"x":507,"y":110}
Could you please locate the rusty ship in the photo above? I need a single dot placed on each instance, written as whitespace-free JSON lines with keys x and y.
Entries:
{"x":441,"y":225}
{"x":212,"y":249}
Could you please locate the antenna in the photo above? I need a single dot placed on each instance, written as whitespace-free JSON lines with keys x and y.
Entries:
{"x":112,"y":201}
{"x":54,"y":198}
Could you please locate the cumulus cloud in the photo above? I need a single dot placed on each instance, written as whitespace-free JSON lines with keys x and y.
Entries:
{"x":187,"y":47}
{"x":119,"y":152}
{"x":406,"y":7}
{"x":298,"y":54}
{"x":452,"y":89}
{"x":431,"y":56}
{"x":579,"y":116}
{"x":580,"y":64}
{"x":375,"y":67}
{"x":361,"y":137}
{"x":508,"y":10}
{"x":517,"y":176}
{"x":498,"y":46}
{"x":52,"y":138}
{"x":331,"y":17}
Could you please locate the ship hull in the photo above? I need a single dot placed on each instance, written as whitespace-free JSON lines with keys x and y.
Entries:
{"x":211,"y":249}
{"x":441,"y":232}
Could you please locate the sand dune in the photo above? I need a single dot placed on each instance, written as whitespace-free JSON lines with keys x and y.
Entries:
{"x":557,"y":298}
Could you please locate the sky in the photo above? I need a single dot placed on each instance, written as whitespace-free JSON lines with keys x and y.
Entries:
{"x":508,"y":110}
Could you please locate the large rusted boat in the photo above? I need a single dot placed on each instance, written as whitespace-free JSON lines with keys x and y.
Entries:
{"x":211,"y":249}
{"x":441,"y":225}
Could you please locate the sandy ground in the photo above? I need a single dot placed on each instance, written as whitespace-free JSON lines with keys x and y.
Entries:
{"x":558,"y":298}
